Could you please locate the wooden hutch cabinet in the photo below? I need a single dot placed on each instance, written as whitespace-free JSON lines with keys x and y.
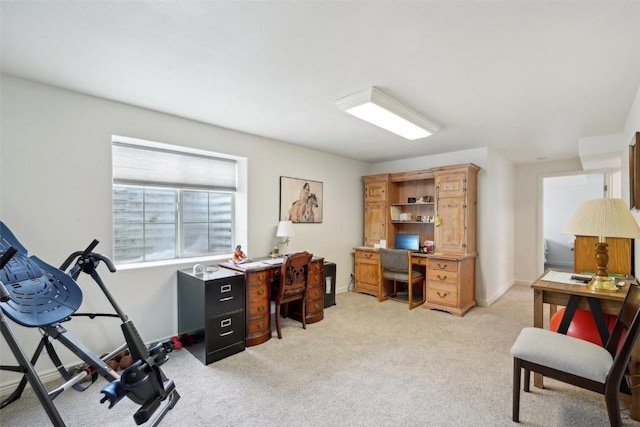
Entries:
{"x":439,"y":204}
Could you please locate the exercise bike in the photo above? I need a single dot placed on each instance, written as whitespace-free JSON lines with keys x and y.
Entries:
{"x":35,"y":294}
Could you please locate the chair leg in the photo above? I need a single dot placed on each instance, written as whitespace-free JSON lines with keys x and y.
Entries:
{"x":613,"y":405}
{"x":516,"y":390}
{"x":527,"y":380}
{"x":304,"y":310}
{"x":278,"y":321}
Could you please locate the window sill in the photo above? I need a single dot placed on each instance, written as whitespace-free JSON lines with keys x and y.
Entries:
{"x":177,"y":261}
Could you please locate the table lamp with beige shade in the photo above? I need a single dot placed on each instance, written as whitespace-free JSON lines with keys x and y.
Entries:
{"x":603,"y":218}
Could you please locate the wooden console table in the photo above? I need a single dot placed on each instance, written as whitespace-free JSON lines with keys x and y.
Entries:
{"x":555,"y":294}
{"x":260,"y":276}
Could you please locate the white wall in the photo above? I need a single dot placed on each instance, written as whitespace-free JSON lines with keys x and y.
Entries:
{"x":55,"y":195}
{"x":494,"y":265}
{"x":632,"y":125}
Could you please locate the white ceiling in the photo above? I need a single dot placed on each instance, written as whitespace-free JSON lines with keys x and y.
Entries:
{"x":527,"y":78}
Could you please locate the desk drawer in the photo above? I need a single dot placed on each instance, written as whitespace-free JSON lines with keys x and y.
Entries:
{"x":364,"y":256}
{"x":258,"y":325}
{"x":442,"y":276}
{"x":419,"y":260}
{"x":257,"y":292}
{"x":442,"y":294}
{"x":443,"y":264}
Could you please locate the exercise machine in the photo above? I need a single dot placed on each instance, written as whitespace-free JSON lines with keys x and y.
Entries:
{"x":35,"y":294}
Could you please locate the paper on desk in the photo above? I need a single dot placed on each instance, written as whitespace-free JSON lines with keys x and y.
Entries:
{"x":561,"y":277}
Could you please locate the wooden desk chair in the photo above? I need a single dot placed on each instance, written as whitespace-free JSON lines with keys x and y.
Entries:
{"x":395,"y":266}
{"x":294,"y":275}
{"x":578,"y":362}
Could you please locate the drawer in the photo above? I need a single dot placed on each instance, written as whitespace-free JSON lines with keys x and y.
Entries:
{"x":315,"y":307}
{"x":257,"y":292}
{"x":442,"y":294}
{"x":259,"y":307}
{"x":224,"y":295}
{"x":316,"y":266}
{"x":315,"y":292}
{"x":258,"y":324}
{"x":373,"y":256}
{"x":257,"y":277}
{"x":225,"y":330}
{"x":436,"y":276}
{"x":419,"y":260}
{"x":443,"y":264}
{"x":315,"y":278}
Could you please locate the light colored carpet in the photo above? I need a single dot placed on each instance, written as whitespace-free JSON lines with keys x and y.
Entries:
{"x":366,"y":363}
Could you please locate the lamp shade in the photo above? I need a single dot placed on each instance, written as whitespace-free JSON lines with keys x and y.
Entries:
{"x":603,"y":218}
{"x":285,"y":229}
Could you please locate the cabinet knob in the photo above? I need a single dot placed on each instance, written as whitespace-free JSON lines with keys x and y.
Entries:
{"x":261,"y":276}
{"x":261,"y":325}
{"x":261,"y":308}
{"x":261,"y":291}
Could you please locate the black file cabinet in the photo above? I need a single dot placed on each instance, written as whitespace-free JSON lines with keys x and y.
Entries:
{"x":212,"y":303}
{"x":329,"y":284}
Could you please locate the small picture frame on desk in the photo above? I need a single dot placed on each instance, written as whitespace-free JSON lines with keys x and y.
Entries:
{"x":419,"y":218}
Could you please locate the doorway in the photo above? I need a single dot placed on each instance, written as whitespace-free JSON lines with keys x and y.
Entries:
{"x":561,"y":197}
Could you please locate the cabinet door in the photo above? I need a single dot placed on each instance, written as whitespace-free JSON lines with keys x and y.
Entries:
{"x":366,"y":271}
{"x":450,"y":235}
{"x":375,"y":223}
{"x":452,"y":184}
{"x":375,"y":191}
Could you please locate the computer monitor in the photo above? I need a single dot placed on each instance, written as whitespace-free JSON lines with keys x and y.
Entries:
{"x":410,"y":242}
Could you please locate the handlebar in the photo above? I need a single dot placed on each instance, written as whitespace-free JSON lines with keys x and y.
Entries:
{"x":84,"y":255}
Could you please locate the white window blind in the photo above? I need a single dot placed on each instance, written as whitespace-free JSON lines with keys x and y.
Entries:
{"x":151,"y":166}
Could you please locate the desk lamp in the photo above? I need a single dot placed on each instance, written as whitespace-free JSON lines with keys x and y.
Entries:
{"x":603,"y":218}
{"x":285,"y":230}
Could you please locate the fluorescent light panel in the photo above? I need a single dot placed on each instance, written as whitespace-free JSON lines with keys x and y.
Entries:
{"x":381,"y":110}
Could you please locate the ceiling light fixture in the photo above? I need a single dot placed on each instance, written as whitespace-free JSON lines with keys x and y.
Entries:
{"x":378,"y":108}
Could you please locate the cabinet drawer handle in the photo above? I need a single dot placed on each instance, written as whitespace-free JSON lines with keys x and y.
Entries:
{"x":442,"y":267}
{"x":261,"y":291}
{"x":226,"y":299}
{"x":261,"y":308}
{"x":260,"y":276}
{"x":442,"y":278}
{"x":225,"y":322}
{"x":443,"y":295}
{"x":316,"y":305}
{"x":261,"y":325}
{"x":224,"y":334}
{"x":225,"y":288}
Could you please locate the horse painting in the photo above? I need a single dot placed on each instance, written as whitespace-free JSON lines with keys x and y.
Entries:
{"x":300,"y":200}
{"x":302,"y":210}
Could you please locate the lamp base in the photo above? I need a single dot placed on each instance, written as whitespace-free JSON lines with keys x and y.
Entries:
{"x":603,"y":284}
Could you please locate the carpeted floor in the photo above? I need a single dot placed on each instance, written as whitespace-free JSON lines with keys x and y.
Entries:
{"x":366,"y":363}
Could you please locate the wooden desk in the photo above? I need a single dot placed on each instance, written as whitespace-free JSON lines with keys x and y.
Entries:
{"x":259,"y":279}
{"x":554,"y":294}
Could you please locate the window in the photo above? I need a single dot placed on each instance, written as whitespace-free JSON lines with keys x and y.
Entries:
{"x":169,"y":203}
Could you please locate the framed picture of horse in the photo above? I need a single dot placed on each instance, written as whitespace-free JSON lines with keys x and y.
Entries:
{"x":300,"y":200}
